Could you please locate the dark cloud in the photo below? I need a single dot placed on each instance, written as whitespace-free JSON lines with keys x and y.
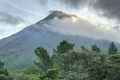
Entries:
{"x":9,"y":19}
{"x":43,"y":2}
{"x":74,"y":3}
{"x":111,"y":8}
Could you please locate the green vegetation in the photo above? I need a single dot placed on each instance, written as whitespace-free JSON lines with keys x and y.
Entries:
{"x":64,"y":46}
{"x":4,"y":75}
{"x":95,"y":48}
{"x":113,"y":49}
{"x":67,"y":63}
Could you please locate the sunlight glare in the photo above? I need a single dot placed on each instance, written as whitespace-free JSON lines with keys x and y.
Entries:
{"x":74,"y":19}
{"x":95,"y":19}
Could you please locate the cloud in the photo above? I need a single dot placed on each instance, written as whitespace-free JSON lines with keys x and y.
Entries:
{"x":32,"y":11}
{"x":74,"y":3}
{"x":111,"y":8}
{"x":9,"y":19}
{"x":43,"y":2}
{"x":81,"y":27}
{"x":9,"y":24}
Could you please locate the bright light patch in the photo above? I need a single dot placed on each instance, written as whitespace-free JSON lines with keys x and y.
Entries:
{"x":9,"y":30}
{"x":105,"y":28}
{"x":74,"y":19}
{"x":20,"y":25}
{"x":95,"y":19}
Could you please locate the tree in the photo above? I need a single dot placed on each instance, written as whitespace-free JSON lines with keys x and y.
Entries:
{"x":114,"y":67}
{"x":44,"y":63}
{"x":95,"y":48}
{"x":112,"y":48}
{"x":98,"y":69}
{"x":4,"y":75}
{"x":70,"y":64}
{"x":64,"y":46}
{"x":3,"y":70}
{"x":84,"y":48}
{"x":43,"y":58}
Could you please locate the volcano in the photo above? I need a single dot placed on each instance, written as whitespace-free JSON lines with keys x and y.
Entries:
{"x":18,"y":50}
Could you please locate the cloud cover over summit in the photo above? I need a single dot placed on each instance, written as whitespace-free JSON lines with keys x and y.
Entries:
{"x":36,"y":10}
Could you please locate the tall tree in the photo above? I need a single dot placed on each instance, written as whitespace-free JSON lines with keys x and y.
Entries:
{"x":43,"y":58}
{"x":44,"y":63}
{"x":95,"y":48}
{"x":64,"y":46}
{"x":4,"y":75}
{"x":112,"y":48}
{"x":3,"y":70}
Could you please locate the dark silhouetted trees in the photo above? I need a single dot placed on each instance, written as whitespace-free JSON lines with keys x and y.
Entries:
{"x":4,"y":75}
{"x":95,"y":48}
{"x":44,"y":63}
{"x":68,"y":63}
{"x":112,"y":48}
{"x":64,"y":46}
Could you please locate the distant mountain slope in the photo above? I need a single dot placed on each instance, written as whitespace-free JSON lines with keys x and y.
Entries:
{"x":18,"y":49}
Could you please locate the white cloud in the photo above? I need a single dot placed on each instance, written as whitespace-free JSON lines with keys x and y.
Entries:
{"x":82,"y":27}
{"x":32,"y":11}
{"x":13,"y":11}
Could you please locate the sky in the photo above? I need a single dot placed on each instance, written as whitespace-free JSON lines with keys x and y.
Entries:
{"x":18,"y":14}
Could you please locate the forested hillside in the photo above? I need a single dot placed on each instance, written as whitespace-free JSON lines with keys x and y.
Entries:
{"x":68,"y":63}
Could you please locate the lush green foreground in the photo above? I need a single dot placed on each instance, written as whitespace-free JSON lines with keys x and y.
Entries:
{"x":68,"y":63}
